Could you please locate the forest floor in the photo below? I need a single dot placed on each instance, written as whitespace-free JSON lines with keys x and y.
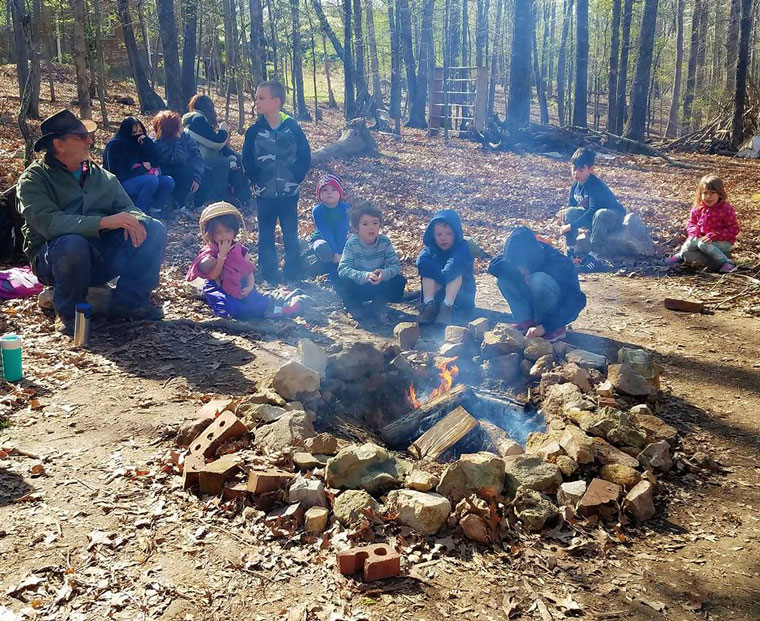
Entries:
{"x":92,"y":527}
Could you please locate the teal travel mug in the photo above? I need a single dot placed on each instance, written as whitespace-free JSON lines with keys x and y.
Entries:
{"x":10,"y":344}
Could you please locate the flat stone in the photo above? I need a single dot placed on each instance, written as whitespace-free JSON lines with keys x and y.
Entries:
{"x":458,"y":335}
{"x":420,"y":511}
{"x":656,"y":456}
{"x":567,"y":465}
{"x":625,"y":476}
{"x":502,"y":340}
{"x":575,"y":375}
{"x":550,"y":450}
{"x":608,"y":454}
{"x":354,"y":505}
{"x":307,"y":461}
{"x":368,"y":467}
{"x":600,"y":499}
{"x":536,"y":348}
{"x":421,"y":481}
{"x":560,"y":397}
{"x":570,"y":493}
{"x":259,"y":414}
{"x":292,"y":429}
{"x":626,"y":435}
{"x":478,"y":327}
{"x":359,"y":360}
{"x":639,"y":502}
{"x":315,"y":520}
{"x":530,"y":471}
{"x":627,"y":381}
{"x":313,"y":356}
{"x":322,"y":444}
{"x":577,"y":445}
{"x":293,"y":379}
{"x":478,"y":473}
{"x":654,"y":428}
{"x":406,"y":333}
{"x":454,"y":350}
{"x":309,"y":492}
{"x":586,"y":359}
{"x":533,"y":509}
{"x":475,"y":528}
{"x":600,"y":423}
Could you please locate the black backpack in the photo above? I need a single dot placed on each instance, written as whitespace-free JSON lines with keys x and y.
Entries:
{"x":11,"y":238}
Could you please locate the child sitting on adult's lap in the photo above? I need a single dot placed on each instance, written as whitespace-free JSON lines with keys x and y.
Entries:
{"x":369,"y":269}
{"x":445,"y":266}
{"x":225,"y":263}
{"x":712,"y":228}
{"x":331,"y":223}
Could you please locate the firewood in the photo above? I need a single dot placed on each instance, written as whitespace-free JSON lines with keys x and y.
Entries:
{"x":445,"y":433}
{"x":685,"y":306}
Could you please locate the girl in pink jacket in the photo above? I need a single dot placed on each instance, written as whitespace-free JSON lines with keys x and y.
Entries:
{"x":712,"y":226}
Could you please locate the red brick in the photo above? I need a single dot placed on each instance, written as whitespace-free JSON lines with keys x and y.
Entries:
{"x":378,"y":561}
{"x":260,"y":482}
{"x":190,"y":469}
{"x":601,"y":499}
{"x":225,"y":427}
{"x":212,"y":476}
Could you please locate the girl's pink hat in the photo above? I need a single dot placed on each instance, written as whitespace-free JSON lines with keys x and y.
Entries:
{"x":333,"y":180}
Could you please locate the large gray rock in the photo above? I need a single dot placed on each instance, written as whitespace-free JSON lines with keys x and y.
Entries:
{"x":353,"y":506}
{"x":369,"y":467}
{"x":533,"y":509}
{"x":655,"y":428}
{"x":309,"y":492}
{"x":293,"y":379}
{"x":290,"y":430}
{"x":627,"y":381}
{"x":502,"y":340}
{"x":656,"y":456}
{"x":633,"y":238}
{"x":407,"y":333}
{"x":532,"y":472}
{"x":642,"y":362}
{"x":586,"y":359}
{"x":312,"y":356}
{"x":357,"y":361}
{"x":475,"y":473}
{"x":420,"y":511}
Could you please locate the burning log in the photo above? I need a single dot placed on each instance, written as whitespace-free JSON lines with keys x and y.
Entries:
{"x":427,"y":414}
{"x":444,"y":434}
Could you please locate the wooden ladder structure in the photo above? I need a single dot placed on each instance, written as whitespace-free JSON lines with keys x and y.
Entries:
{"x":463,"y":87}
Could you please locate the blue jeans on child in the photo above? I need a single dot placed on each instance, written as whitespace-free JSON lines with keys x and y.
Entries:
{"x":538,"y":300}
{"x":353,"y":294}
{"x":149,"y":191}
{"x":324,"y":253}
{"x":72,"y":263}
{"x":268,"y":211}
{"x":604,"y":222}
{"x":718,"y":251}
{"x":252,"y":306}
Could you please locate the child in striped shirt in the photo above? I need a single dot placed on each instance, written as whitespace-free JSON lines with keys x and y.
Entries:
{"x":369,"y":269}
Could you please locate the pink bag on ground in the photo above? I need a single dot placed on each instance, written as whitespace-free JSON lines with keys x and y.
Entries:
{"x":19,"y":282}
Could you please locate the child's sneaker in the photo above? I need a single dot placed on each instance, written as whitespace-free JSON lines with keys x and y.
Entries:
{"x":445,"y":314}
{"x":673,"y":260}
{"x":557,"y":335}
{"x":593,"y":264}
{"x":428,"y":313}
{"x":727,"y":267}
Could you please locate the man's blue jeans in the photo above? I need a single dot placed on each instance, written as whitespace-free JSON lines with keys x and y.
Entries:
{"x":537,"y":299}
{"x":149,"y":191}
{"x":72,"y":263}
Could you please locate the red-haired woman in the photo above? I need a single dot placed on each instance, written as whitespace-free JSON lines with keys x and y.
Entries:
{"x":178,"y":155}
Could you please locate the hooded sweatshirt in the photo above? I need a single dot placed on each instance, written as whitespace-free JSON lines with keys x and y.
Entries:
{"x":522,"y":249}
{"x":209,"y":141}
{"x":592,"y":196}
{"x":443,"y":266}
{"x":276,"y":160}
{"x":124,"y":155}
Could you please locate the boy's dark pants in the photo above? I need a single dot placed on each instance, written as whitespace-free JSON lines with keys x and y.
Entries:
{"x":72,"y":263}
{"x":605,"y":222}
{"x":353,"y":294}
{"x":268,"y":211}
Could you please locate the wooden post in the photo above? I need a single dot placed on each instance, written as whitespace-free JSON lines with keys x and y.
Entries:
{"x":436,"y":101}
{"x":481,"y":100}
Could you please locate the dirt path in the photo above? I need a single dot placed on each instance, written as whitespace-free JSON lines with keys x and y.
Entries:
{"x":100,"y":443}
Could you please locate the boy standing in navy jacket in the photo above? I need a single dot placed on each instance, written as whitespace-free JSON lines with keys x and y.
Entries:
{"x":445,"y":265}
{"x":276,"y":158}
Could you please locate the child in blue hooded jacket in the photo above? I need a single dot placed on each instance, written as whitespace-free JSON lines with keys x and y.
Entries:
{"x":446,"y":268}
{"x":539,"y":283}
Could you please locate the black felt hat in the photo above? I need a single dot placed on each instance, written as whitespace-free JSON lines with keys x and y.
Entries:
{"x":60,"y":124}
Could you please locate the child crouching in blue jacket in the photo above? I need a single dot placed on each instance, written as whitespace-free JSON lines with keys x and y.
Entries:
{"x":445,"y":266}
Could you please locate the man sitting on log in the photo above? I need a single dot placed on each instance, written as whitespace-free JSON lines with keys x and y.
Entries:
{"x":593,"y":206}
{"x":539,"y":283}
{"x":81,"y":228}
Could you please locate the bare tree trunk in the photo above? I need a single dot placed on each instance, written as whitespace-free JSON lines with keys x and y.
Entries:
{"x":146,"y":42}
{"x":35,"y":53}
{"x":303,"y":111}
{"x":407,"y":47}
{"x":497,"y":42}
{"x":189,"y":48}
{"x":348,"y":98}
{"x":313,"y":62}
{"x":672,"y":129}
{"x":49,"y":57}
{"x":358,"y":41}
{"x":26,"y":93}
{"x":518,"y":107}
{"x":562,"y":61}
{"x":273,"y":30}
{"x":732,"y":44}
{"x":22,"y":51}
{"x":613,"y":74}
{"x":580,"y":108}
{"x":80,"y":63}
{"x":257,"y":42}
{"x":102,"y":91}
{"x":740,"y":95}
{"x":172,"y":71}
{"x":691,"y":72}
{"x":331,"y":103}
{"x":537,"y":76}
{"x":148,"y":98}
{"x":394,"y":107}
{"x":377,"y":92}
{"x":634,"y":129}
{"x":622,"y":84}
{"x":417,"y":108}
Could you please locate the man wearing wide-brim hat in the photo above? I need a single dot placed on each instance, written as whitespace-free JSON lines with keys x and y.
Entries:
{"x":82,"y":229}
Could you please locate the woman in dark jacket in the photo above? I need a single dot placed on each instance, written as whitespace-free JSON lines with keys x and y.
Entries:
{"x":539,"y":283}
{"x":178,"y":155}
{"x":131,"y":156}
{"x":223,"y":178}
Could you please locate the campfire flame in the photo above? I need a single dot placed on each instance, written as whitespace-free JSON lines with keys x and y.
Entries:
{"x":448,"y":372}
